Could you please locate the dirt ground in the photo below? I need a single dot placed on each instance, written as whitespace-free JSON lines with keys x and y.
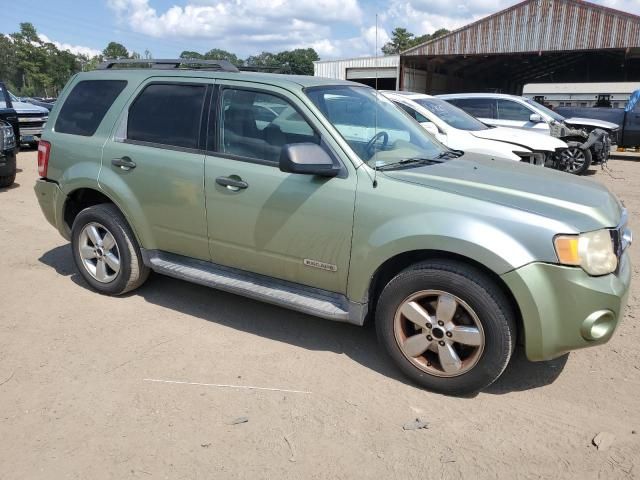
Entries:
{"x":76,"y":400}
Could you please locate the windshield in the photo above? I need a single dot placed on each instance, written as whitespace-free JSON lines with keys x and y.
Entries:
{"x":556,"y":116}
{"x":451,"y":115}
{"x":378,"y":131}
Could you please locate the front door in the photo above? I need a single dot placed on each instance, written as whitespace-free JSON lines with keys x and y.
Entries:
{"x":516,"y":115}
{"x":154,"y":166}
{"x":289,"y":226}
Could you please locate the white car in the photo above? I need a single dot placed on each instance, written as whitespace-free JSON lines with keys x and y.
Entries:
{"x":460,"y":131}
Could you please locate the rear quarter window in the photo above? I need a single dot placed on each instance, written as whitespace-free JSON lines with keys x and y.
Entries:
{"x":86,"y":106}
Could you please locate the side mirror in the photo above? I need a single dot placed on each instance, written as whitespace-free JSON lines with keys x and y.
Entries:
{"x":535,"y":118}
{"x":430,"y":127}
{"x":307,"y":159}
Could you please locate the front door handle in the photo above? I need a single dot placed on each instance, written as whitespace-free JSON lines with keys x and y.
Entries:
{"x":232,"y":183}
{"x":125,"y":163}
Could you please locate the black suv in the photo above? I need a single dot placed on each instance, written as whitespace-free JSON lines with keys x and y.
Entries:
{"x":9,"y":131}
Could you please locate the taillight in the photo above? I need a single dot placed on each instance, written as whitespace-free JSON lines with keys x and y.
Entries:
{"x":44,"y":149}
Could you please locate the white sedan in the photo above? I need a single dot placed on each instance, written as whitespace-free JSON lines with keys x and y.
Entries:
{"x":460,"y":131}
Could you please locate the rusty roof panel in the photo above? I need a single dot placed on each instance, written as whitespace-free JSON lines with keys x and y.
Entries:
{"x":540,"y":25}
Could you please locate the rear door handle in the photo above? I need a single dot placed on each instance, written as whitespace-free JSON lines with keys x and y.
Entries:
{"x":125,"y":163}
{"x":231,"y":183}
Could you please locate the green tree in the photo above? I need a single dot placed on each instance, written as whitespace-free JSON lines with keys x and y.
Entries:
{"x":263,"y":60}
{"x":401,"y":39}
{"x":219,"y":54}
{"x":115,"y":50}
{"x":298,"y":61}
{"x":190,"y":54}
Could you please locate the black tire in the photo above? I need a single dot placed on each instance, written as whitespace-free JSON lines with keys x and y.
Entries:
{"x":588,"y":159}
{"x":8,"y":180}
{"x":133,"y":272}
{"x":480,"y":293}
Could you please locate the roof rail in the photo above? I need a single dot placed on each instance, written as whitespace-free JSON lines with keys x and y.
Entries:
{"x":166,"y":64}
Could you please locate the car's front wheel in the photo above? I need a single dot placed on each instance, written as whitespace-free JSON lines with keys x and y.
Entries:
{"x":106,"y":252}
{"x":447,"y":326}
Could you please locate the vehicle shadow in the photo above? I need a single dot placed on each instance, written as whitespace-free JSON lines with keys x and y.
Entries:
{"x":268,"y":321}
{"x":12,"y":187}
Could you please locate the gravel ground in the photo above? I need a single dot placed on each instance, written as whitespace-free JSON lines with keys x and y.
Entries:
{"x":76,"y":400}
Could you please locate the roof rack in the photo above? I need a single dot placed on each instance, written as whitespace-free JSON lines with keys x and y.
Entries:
{"x":167,"y":64}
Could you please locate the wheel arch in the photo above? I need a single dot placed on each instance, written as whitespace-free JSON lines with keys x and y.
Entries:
{"x":399,"y":262}
{"x":87,"y":196}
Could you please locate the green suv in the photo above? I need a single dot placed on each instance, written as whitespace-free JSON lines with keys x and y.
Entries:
{"x":323,"y":197}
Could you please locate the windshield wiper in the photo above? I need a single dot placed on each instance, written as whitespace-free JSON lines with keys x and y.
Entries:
{"x":407,"y":161}
{"x":450,"y":154}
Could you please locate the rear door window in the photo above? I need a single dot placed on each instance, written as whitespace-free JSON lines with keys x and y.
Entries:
{"x":510,"y":110}
{"x":167,"y":114}
{"x":86,"y":106}
{"x":477,"y":107}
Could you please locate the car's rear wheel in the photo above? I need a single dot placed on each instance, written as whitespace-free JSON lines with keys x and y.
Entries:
{"x":447,"y":326}
{"x":106,"y":252}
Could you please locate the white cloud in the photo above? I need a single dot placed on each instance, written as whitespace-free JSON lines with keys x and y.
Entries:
{"x":251,"y":25}
{"x":76,"y":49}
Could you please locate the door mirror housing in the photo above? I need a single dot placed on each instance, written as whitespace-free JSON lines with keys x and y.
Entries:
{"x":307,"y":159}
{"x":430,"y":127}
{"x":535,"y":118}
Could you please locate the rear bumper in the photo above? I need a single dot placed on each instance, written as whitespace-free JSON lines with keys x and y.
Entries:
{"x":52,"y":200}
{"x":565,"y":309}
{"x":7,"y":163}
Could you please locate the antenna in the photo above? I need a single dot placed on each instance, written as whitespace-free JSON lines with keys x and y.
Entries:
{"x":375,"y":122}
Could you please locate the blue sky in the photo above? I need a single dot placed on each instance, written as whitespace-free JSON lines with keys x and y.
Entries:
{"x":335,"y":28}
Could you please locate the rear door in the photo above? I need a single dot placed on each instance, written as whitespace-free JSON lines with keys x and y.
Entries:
{"x":288,"y":226}
{"x":483,"y":108}
{"x":154,"y":165}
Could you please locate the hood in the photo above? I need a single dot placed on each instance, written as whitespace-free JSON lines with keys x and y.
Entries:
{"x":590,"y":122}
{"x":575,"y":201}
{"x":22,"y":107}
{"x":531,"y":140}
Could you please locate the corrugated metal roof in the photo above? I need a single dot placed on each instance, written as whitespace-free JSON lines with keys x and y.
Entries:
{"x":338,"y":68}
{"x":539,"y":25}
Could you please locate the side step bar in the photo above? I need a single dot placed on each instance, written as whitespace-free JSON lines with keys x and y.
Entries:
{"x":302,"y":298}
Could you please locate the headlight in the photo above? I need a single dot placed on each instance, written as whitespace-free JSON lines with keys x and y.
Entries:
{"x":592,"y":251}
{"x":7,"y":138}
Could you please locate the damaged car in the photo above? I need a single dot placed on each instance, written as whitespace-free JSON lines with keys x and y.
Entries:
{"x":458,"y":130}
{"x":588,"y":140}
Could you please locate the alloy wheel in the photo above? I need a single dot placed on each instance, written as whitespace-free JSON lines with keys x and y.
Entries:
{"x":574,"y":159}
{"x":439,"y":333}
{"x":99,"y":252}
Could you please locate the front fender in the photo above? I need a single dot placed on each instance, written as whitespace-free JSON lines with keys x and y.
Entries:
{"x":394,"y":218}
{"x":455,"y":234}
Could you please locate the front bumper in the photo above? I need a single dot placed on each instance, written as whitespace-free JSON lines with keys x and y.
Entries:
{"x":52,"y":200}
{"x":565,"y":309}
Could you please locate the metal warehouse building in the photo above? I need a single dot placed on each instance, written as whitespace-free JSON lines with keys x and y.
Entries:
{"x":532,"y":42}
{"x":386,"y":69}
{"x":535,"y":41}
